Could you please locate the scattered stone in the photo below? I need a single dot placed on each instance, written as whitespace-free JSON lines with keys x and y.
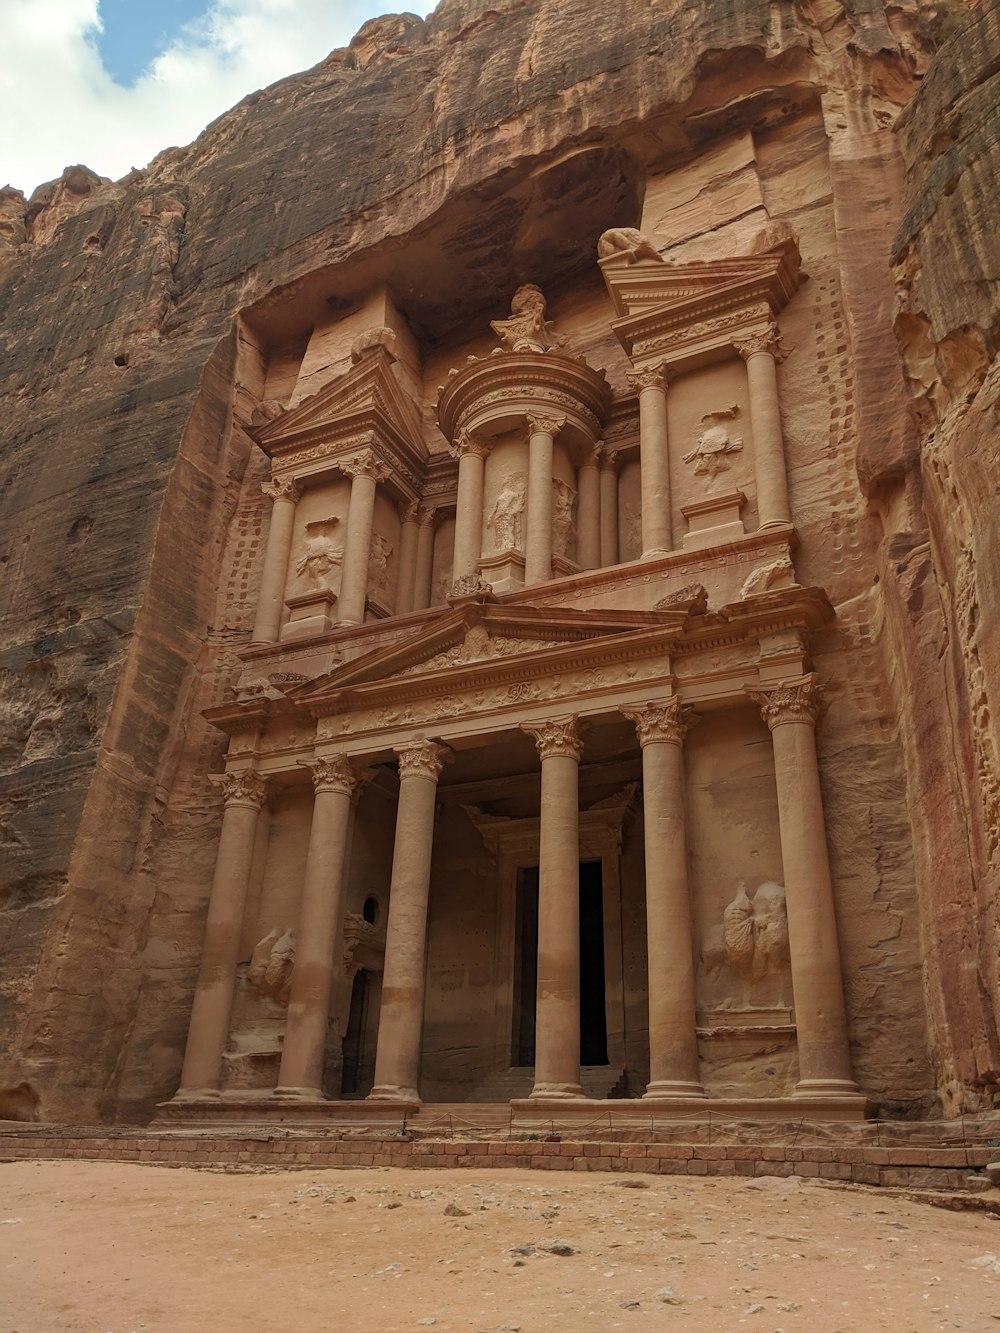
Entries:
{"x":775,"y":1184}
{"x":988,"y":1261}
{"x":789,"y":1307}
{"x":393,"y":1204}
{"x":668,"y":1296}
{"x":453,"y":1210}
{"x":754,"y":1309}
{"x":526,"y":1250}
{"x":560,"y":1247}
{"x":631,"y":1185}
{"x":423,"y":1323}
{"x":628,"y":1305}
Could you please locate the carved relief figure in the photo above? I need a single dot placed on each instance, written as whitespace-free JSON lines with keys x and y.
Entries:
{"x":378,"y":569}
{"x":745,"y":960}
{"x":778,"y":573}
{"x":628,"y":241}
{"x":527,"y":329}
{"x":562,"y":516}
{"x":715,"y":443}
{"x":272,"y":963}
{"x":321,"y":556}
{"x":506,"y":518}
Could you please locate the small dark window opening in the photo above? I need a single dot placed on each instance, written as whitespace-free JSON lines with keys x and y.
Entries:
{"x":121,"y":359}
{"x":370,"y":911}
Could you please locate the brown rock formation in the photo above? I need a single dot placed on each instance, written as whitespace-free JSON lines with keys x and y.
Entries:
{"x":450,"y":160}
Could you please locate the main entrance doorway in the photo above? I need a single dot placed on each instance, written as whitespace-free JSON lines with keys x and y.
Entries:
{"x":593,"y":1014}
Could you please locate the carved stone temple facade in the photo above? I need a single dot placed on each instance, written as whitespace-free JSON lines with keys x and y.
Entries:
{"x":522,"y":795}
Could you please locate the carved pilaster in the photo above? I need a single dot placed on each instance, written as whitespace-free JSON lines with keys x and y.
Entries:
{"x":669,"y":721}
{"x":246,"y":788}
{"x":557,"y":737}
{"x":333,"y":773}
{"x":282,"y":488}
{"x":545,"y":425}
{"x":789,"y":701}
{"x":422,"y":759}
{"x":768,"y":340}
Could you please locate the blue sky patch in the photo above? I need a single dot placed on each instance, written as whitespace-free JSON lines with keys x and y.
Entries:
{"x":137,"y":31}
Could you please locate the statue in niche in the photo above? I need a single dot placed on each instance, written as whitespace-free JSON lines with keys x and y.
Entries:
{"x":562,"y":516}
{"x":749,"y":948}
{"x":321,"y":556}
{"x":627,"y":241}
{"x":272,"y":963}
{"x":715,"y":444}
{"x":505,"y":520}
{"x":527,"y":329}
{"x":378,"y":568}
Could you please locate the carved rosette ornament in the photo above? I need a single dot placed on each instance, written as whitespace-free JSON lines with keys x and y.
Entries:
{"x":246,"y":788}
{"x":789,"y":701}
{"x":769,"y":341}
{"x":364,"y":465}
{"x":556,"y":738}
{"x":468,"y":443}
{"x":422,"y":759}
{"x":658,"y":723}
{"x":282,"y":488}
{"x":547,"y":425}
{"x":333,"y":773}
{"x":649,"y":377}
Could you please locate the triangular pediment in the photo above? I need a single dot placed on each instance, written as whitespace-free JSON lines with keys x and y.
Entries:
{"x":366,"y":397}
{"x":651,"y":285}
{"x":469,"y":636}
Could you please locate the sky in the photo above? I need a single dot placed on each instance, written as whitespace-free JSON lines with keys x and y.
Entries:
{"x":110,"y":83}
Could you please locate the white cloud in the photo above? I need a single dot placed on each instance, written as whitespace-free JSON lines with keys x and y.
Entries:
{"x":60,"y":106}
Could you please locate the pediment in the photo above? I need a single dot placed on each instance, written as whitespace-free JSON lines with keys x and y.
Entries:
{"x":367,"y":396}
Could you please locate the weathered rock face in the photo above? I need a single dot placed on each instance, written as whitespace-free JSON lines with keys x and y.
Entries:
{"x":144,"y":321}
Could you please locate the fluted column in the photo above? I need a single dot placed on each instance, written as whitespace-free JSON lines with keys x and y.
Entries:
{"x":761,"y":353}
{"x":397,"y":1055}
{"x":538,"y":536}
{"x":406,"y":565}
{"x":365,"y":472}
{"x":557,"y":1009}
{"x":426,"y":520}
{"x":790,"y":710}
{"x":316,"y":961}
{"x":609,"y":509}
{"x":284,"y":492}
{"x":471,"y":453}
{"x":588,"y":514}
{"x":673,"y":1046}
{"x":213,"y":997}
{"x":654,"y":455}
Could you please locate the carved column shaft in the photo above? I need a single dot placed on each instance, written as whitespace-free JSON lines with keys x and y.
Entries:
{"x":817,"y":986}
{"x":397,"y":1056}
{"x":765,"y":418}
{"x":316,"y":960}
{"x":406,"y":567}
{"x":609,"y":511}
{"x":654,"y":454}
{"x":673,"y":1046}
{"x":426,"y":516}
{"x":271,"y":600}
{"x":469,"y":508}
{"x":557,"y":1008}
{"x":213,"y":998}
{"x":365,"y":473}
{"x":538,"y":525}
{"x":588,"y":525}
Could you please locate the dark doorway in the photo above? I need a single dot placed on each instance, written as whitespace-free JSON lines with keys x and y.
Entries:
{"x":354,"y":1037}
{"x":593,"y":1017}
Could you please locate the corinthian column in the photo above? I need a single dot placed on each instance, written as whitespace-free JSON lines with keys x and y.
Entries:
{"x":673,"y":1046}
{"x":426,"y":519}
{"x":365,"y":472}
{"x":471,"y":454}
{"x":284,"y":492}
{"x":538,"y":537}
{"x":557,"y":1011}
{"x":397,"y":1055}
{"x":588,"y":519}
{"x":406,"y":565}
{"x":654,"y":459}
{"x":301,"y":1072}
{"x":790,"y":709}
{"x":213,"y":996}
{"x":761,"y":353}
{"x":609,"y":509}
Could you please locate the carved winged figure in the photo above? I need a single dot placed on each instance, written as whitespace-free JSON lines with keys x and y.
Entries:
{"x":272,"y":963}
{"x":527,"y":329}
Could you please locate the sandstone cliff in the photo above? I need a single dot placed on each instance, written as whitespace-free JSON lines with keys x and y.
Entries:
{"x":131,"y":361}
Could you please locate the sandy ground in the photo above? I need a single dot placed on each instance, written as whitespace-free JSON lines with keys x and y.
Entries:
{"x":112,"y":1248}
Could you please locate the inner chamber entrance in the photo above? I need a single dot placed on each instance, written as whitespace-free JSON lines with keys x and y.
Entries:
{"x":593,"y":1015}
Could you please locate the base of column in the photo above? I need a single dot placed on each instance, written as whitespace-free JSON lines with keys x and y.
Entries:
{"x":655,"y":553}
{"x":389,"y":1093}
{"x":826,"y":1087}
{"x":665,"y":1088}
{"x":556,"y":1090}
{"x":196,"y":1095}
{"x":300,"y":1094}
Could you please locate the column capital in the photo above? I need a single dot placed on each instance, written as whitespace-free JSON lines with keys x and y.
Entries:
{"x":282,"y":488}
{"x":768,"y":340}
{"x":557,"y":737}
{"x":608,"y":460}
{"x":364,"y":464}
{"x":333,"y":773}
{"x":667,"y":720}
{"x":788,"y":701}
{"x":649,"y":377}
{"x":422,"y":759}
{"x":593,"y":455}
{"x":426,"y":515}
{"x":408,"y":511}
{"x":466,"y":442}
{"x":245,"y":788}
{"x":540,"y":424}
